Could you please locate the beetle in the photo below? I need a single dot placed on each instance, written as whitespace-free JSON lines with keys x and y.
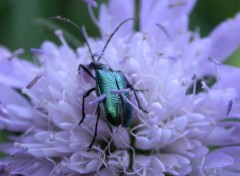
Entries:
{"x":117,"y":109}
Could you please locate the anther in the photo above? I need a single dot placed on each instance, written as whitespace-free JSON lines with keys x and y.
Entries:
{"x":16,"y":144}
{"x":59,"y":34}
{"x":63,"y":164}
{"x":194,"y":78}
{"x":164,"y":30}
{"x":3,"y":111}
{"x":16,"y":53}
{"x":120,"y":91}
{"x":204,"y":86}
{"x":175,"y":4}
{"x":215,"y":61}
{"x":229,"y":107}
{"x":184,"y":82}
{"x":33,"y":82}
{"x":37,"y":51}
{"x":92,"y":3}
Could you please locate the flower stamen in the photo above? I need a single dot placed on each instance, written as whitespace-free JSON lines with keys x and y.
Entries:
{"x":120,"y":91}
{"x":229,"y":107}
{"x":37,"y":51}
{"x":163,"y":28}
{"x":194,"y":78}
{"x":204,"y":87}
{"x":20,"y":152}
{"x":16,"y":53}
{"x":98,"y":99}
{"x":175,"y":4}
{"x":3,"y":111}
{"x":91,"y":4}
{"x":34,"y":81}
{"x":59,"y":34}
{"x":216,"y":63}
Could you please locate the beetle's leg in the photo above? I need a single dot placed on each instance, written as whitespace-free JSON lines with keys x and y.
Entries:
{"x":96,"y":126}
{"x":86,"y":70}
{"x":86,"y":94}
{"x":135,"y":94}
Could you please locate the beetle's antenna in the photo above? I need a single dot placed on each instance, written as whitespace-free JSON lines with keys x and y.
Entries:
{"x":83,"y":34}
{"x":109,"y":39}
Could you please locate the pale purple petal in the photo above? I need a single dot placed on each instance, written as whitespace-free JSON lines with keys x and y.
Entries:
{"x":172,"y":160}
{"x":15,"y":111}
{"x":226,"y":133}
{"x":10,"y":70}
{"x":225,"y":39}
{"x":165,"y":13}
{"x":159,"y":11}
{"x":110,"y":17}
{"x":119,"y":160}
{"x":148,"y":165}
{"x":84,"y":162}
{"x":217,"y":160}
{"x":121,"y":138}
{"x":227,"y":72}
{"x":232,"y":152}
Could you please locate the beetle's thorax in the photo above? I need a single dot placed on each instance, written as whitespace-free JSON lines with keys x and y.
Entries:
{"x":95,"y":65}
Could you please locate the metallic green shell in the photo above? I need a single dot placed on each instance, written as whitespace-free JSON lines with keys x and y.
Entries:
{"x":117,"y":110}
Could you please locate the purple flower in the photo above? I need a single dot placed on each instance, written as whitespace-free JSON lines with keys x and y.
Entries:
{"x":186,"y":132}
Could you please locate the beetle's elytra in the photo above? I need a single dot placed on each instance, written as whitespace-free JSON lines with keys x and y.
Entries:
{"x":117,"y":110}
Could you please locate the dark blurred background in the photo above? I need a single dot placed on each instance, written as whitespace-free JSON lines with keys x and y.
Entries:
{"x":25,"y":24}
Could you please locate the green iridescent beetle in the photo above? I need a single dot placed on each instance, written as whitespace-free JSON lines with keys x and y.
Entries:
{"x":111,"y":85}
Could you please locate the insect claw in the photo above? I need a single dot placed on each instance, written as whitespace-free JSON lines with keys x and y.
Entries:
{"x":145,"y":111}
{"x":80,"y":122}
{"x":89,"y":148}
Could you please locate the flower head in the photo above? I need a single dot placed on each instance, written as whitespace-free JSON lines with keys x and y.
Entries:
{"x":187,"y":131}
